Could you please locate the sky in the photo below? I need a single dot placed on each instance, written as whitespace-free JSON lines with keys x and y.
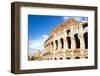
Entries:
{"x":40,"y":27}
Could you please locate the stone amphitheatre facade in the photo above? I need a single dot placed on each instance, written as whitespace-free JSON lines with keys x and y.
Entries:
{"x":67,"y":41}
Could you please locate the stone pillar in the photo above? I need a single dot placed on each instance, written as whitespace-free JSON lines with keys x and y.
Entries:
{"x":47,"y":48}
{"x":73,"y":44}
{"x":50,"y":47}
{"x":82,"y":43}
{"x":65,"y":40}
{"x":65,"y":43}
{"x":59,"y":45}
{"x":54,"y":46}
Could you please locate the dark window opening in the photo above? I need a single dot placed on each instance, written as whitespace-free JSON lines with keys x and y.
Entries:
{"x":55,"y":58}
{"x":77,"y":57}
{"x":52,"y":44}
{"x":85,"y":25}
{"x":56,"y":44}
{"x":77,"y":41}
{"x":68,"y":32}
{"x":86,"y":57}
{"x":69,"y":42}
{"x":61,"y":58}
{"x":86,"y":40}
{"x":68,"y":58}
{"x":62,"y":43}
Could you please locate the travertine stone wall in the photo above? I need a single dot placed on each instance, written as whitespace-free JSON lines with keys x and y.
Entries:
{"x":57,"y":47}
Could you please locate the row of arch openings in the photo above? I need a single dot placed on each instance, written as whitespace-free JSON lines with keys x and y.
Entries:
{"x":77,"y":41}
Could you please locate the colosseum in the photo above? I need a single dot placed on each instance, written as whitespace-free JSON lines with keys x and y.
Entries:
{"x":67,"y":41}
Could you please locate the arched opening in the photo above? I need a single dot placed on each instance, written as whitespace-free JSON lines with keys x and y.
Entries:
{"x":69,"y":42}
{"x":68,"y":58}
{"x":55,"y":58}
{"x":85,"y":25}
{"x":62,"y":43}
{"x":61,"y":58}
{"x":68,"y":32}
{"x":86,"y":57}
{"x":77,"y":57}
{"x":77,"y":41}
{"x":56,"y":44}
{"x":86,"y":40}
{"x":50,"y":58}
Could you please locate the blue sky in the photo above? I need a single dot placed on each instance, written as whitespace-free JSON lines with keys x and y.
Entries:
{"x":40,"y":27}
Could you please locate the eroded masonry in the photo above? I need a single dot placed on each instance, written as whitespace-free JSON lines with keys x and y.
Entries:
{"x":67,"y":41}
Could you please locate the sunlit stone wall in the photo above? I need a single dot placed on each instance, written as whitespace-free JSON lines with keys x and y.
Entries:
{"x":67,"y":41}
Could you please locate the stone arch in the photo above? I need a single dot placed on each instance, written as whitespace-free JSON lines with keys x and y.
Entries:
{"x":67,"y":57}
{"x":55,"y":58}
{"x":85,"y":25}
{"x":85,"y":35}
{"x":77,"y":40}
{"x":50,"y":58}
{"x":69,"y":42}
{"x":61,"y":58}
{"x":56,"y":42}
{"x":68,"y":32}
{"x":77,"y":57}
{"x":62,"y":43}
{"x":48,"y":45}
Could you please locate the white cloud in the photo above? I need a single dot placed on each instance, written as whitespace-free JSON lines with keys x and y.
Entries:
{"x":37,"y":43}
{"x":79,"y":19}
{"x":66,"y":18}
{"x":45,"y":36}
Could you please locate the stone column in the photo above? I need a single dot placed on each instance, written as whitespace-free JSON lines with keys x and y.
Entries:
{"x":54,"y":46}
{"x":82,"y":43}
{"x":65,"y":47}
{"x":50,"y":47}
{"x":65,"y":40}
{"x":47,"y":48}
{"x":59,"y":45}
{"x":73,"y":44}
{"x":65,"y":43}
